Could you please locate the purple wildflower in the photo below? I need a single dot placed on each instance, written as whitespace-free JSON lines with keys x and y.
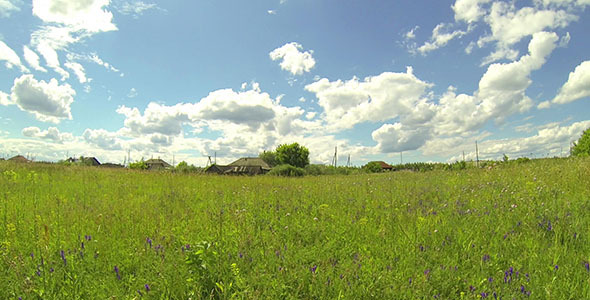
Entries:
{"x":556,"y":267}
{"x":32,"y":255}
{"x":313,"y":269}
{"x":410,"y":280}
{"x":51,"y":270}
{"x":63,"y":257}
{"x":38,"y":272}
{"x":149,"y":241}
{"x":486,"y":257}
{"x":522,"y":289}
{"x":82,"y":246}
{"x":187,"y":246}
{"x":421,"y":248}
{"x":491,"y":279}
{"x":117,"y":272}
{"x":484,"y":294}
{"x":495,"y":296}
{"x":426,"y":272}
{"x":147,"y":287}
{"x":549,"y":227}
{"x":240,"y":255}
{"x":587,"y":266}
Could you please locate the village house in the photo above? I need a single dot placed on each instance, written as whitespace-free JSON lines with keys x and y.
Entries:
{"x":157,"y":164}
{"x":19,"y":158}
{"x":384,"y":166}
{"x":242,"y":166}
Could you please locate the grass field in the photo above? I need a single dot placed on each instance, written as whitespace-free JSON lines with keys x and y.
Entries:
{"x":515,"y":231}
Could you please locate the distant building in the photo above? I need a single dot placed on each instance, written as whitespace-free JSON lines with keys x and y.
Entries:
{"x":19,"y":158}
{"x":384,"y":166}
{"x":157,"y":164}
{"x":111,"y":165}
{"x":88,"y":161}
{"x":242,"y":166}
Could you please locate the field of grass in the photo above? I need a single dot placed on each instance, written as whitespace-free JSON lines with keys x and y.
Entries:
{"x":515,"y":231}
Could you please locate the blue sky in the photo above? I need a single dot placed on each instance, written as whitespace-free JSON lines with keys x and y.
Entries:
{"x":188,"y":79}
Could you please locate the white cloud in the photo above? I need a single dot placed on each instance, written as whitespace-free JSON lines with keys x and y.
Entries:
{"x":577,"y":85}
{"x":7,"y":7}
{"x":552,"y":140}
{"x":410,"y":35}
{"x":510,"y":25}
{"x":378,"y":98}
{"x":136,"y":8}
{"x":87,"y":15}
{"x":52,"y":60}
{"x":271,"y":12}
{"x":102,"y":139}
{"x":47,"y":101}
{"x":132,"y":93}
{"x":5,"y":99}
{"x":469,"y":10}
{"x":78,"y":70}
{"x":440,"y":38}
{"x":292,"y":59}
{"x":52,"y":133}
{"x":11,"y":58}
{"x":565,"y":40}
{"x":32,"y":59}
{"x":156,"y":118}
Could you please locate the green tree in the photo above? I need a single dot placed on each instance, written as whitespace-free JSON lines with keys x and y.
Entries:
{"x":140,"y":165}
{"x":373,"y":167}
{"x":293,"y":154}
{"x":269,"y":157}
{"x":582,"y":146}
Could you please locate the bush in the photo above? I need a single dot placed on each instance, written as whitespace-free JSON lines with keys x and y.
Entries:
{"x":373,"y":167}
{"x":140,"y":165}
{"x":287,"y":170}
{"x":582,"y":146}
{"x":292,"y":154}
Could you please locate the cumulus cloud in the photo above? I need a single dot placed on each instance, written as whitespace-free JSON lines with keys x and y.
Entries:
{"x":292,"y":59}
{"x":405,"y":98}
{"x":510,"y":25}
{"x":11,"y":58}
{"x":166,"y":120}
{"x":576,"y":87}
{"x":7,"y":7}
{"x":5,"y":99}
{"x":102,"y":139}
{"x":47,"y":101}
{"x":88,"y":15}
{"x":550,"y":140}
{"x":376,"y":98}
{"x":52,"y":133}
{"x":32,"y":59}
{"x":469,"y":10}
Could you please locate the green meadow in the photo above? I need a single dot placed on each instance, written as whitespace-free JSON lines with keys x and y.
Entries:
{"x":512,"y":231}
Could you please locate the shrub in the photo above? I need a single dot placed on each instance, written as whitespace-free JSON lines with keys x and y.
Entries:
{"x":292,"y":154}
{"x":582,"y":146}
{"x":287,"y":170}
{"x":373,"y":167}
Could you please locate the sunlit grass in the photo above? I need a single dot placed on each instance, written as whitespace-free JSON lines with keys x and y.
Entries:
{"x":518,"y":230}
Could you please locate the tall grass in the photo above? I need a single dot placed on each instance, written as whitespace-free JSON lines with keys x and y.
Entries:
{"x":514,"y":231}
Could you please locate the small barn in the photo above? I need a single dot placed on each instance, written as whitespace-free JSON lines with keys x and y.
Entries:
{"x":19,"y":159}
{"x":242,"y":166}
{"x":157,"y":164}
{"x":385,"y":166}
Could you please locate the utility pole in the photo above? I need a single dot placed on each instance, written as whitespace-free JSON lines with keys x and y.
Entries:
{"x":476,"y":154}
{"x":463,"y":155}
{"x":348,"y":161}
{"x":335,"y":159}
{"x":401,"y":157}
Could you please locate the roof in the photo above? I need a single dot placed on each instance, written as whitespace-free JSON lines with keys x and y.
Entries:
{"x":156,"y":162}
{"x":384,"y":165}
{"x":19,"y":158}
{"x":250,"y":162}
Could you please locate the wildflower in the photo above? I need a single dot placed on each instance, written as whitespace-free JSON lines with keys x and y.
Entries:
{"x":471,"y":288}
{"x":82,"y":245}
{"x":149,"y":241}
{"x":484,"y":295}
{"x":51,"y":270}
{"x":549,"y":227}
{"x":187,"y":246}
{"x":117,"y":272}
{"x":495,"y":296}
{"x":313,"y":269}
{"x":587,"y":266}
{"x":147,"y":287}
{"x":522,"y":289}
{"x":486,"y":257}
{"x":426,"y":272}
{"x":63,"y":257}
{"x":32,"y":255}
{"x":556,"y":267}
{"x":410,"y":280}
{"x":38,"y":272}
{"x":491,"y":279}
